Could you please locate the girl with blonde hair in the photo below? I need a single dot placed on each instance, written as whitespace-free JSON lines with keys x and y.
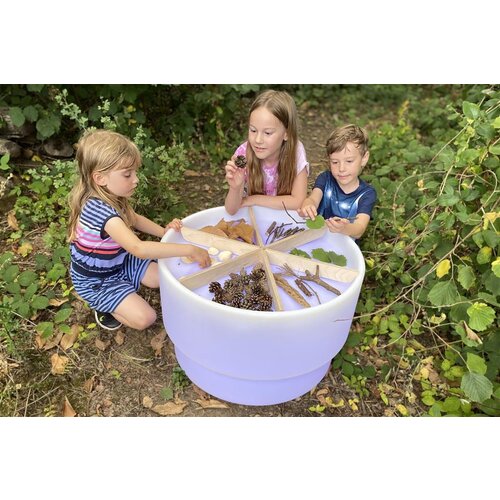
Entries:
{"x":108,"y":261}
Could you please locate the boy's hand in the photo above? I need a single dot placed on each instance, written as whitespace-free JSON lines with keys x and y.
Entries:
{"x":200,"y":255}
{"x":176,"y":224}
{"x":308,"y":211}
{"x":337,"y":224}
{"x":235,"y":176}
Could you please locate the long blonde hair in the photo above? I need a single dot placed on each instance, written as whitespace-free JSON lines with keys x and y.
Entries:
{"x":282,"y":106}
{"x":101,"y":151}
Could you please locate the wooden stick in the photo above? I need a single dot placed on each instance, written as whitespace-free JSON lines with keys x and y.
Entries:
{"x":289,"y":290}
{"x":212,"y":240}
{"x":331,"y":271}
{"x":253,"y":222}
{"x":316,"y":279}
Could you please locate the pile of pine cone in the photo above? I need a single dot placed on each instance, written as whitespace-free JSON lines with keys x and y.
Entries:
{"x":244,"y":291}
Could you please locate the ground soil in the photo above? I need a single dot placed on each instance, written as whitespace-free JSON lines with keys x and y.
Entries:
{"x":122,"y":374}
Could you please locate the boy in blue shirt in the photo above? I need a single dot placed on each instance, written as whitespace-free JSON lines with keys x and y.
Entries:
{"x":339,"y":195}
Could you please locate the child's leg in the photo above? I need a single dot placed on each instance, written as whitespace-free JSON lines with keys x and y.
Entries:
{"x":151,"y":277}
{"x":135,"y":312}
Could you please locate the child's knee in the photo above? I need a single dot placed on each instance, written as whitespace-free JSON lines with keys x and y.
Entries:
{"x":145,"y":319}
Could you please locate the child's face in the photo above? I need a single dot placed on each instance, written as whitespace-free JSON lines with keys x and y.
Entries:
{"x":346,"y":166}
{"x":120,"y":182}
{"x":266,"y":135}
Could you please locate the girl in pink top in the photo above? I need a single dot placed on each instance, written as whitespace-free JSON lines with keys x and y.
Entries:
{"x":276,"y":166}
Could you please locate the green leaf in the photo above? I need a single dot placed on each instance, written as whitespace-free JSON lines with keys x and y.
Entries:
{"x":451,"y":403}
{"x":443,"y":293}
{"x":481,"y":316}
{"x":496,"y":122}
{"x":466,"y":276}
{"x":45,"y":127}
{"x":26,"y":278}
{"x":317,"y":223}
{"x":484,"y":255}
{"x":45,"y":329}
{"x":495,"y":150}
{"x":167,"y":393}
{"x":62,"y":315}
{"x":300,"y":253}
{"x":39,"y":302}
{"x":495,"y":267}
{"x":11,"y":273}
{"x":476,"y":363}
{"x":476,"y":387}
{"x":31,"y":113}
{"x":447,"y":200}
{"x":320,"y":254}
{"x":17,"y":116}
{"x":470,"y":110}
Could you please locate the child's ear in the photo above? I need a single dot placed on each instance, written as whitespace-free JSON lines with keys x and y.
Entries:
{"x":364,"y":160}
{"x":99,"y":179}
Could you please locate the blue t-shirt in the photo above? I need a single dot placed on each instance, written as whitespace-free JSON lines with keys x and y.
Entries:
{"x":336,"y":203}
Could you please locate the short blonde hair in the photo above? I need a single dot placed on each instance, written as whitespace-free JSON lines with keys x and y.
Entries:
{"x":340,"y":136}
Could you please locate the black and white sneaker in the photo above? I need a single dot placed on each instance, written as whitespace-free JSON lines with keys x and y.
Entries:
{"x":107,"y":321}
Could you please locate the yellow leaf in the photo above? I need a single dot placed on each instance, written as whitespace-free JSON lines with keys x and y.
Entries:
{"x":436,"y":320}
{"x":424,"y":372}
{"x":25,"y":249}
{"x":211,"y":403}
{"x":331,"y":403}
{"x":58,"y":364}
{"x":490,"y":217}
{"x":36,"y":158}
{"x":57,"y":302}
{"x":353,"y":405}
{"x":443,"y":268}
{"x":402,"y":409}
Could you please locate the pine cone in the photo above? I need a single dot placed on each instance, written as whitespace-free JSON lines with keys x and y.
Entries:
{"x":241,"y":161}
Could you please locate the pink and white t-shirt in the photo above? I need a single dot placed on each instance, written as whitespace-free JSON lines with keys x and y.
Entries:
{"x":271,"y":171}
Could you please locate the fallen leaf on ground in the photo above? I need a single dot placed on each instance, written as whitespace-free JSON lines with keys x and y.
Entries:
{"x":200,"y":392}
{"x":57,"y":302}
{"x":68,"y":410}
{"x":170,"y":408}
{"x":102,"y":346}
{"x":211,"y":403}
{"x":191,"y":173}
{"x":12,"y":221}
{"x":88,"y":385}
{"x":58,"y":364}
{"x":49,"y":343}
{"x":147,"y":402}
{"x":157,"y":342}
{"x":70,"y":338}
{"x":25,"y":249}
{"x":120,"y":337}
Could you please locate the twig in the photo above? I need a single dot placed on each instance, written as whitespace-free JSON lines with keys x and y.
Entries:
{"x":314,"y":278}
{"x":288,"y":213}
{"x":290,"y":291}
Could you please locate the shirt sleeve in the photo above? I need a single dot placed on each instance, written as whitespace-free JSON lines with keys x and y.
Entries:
{"x":367,"y":202}
{"x":320,"y":182}
{"x":302,"y":162}
{"x":241,"y":149}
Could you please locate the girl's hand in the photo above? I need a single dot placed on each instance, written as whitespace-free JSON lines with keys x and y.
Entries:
{"x":235,"y":176}
{"x":176,"y":224}
{"x":336,"y":224}
{"x":308,"y":211}
{"x":200,"y":255}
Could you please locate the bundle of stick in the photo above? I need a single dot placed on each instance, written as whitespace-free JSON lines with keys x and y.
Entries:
{"x":276,"y":232}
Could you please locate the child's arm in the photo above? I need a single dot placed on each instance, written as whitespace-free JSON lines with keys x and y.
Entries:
{"x":310,"y":205}
{"x":126,"y":238}
{"x":292,"y":201}
{"x":356,"y":229}
{"x":235,"y":177}
{"x":145,"y":225}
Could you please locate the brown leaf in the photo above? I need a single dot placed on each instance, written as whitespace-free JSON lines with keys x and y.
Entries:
{"x":102,"y":346}
{"x":49,"y":343}
{"x":12,"y":221}
{"x":241,"y":230}
{"x":211,"y":403}
{"x":157,"y":342}
{"x":120,"y":337}
{"x":191,"y":173}
{"x":57,"y":302}
{"x":88,"y":385}
{"x":471,"y":334}
{"x":68,"y":410}
{"x":70,"y":338}
{"x":214,"y":230}
{"x":170,"y":408}
{"x":147,"y":402}
{"x":58,"y":364}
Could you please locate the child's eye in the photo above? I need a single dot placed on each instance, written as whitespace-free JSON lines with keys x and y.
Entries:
{"x":268,"y":133}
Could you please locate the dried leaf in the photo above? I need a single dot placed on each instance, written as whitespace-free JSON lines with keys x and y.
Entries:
{"x":211,"y":403}
{"x":170,"y":408}
{"x":157,"y":342}
{"x":191,"y":173}
{"x":88,"y":385}
{"x":200,"y":392}
{"x":147,"y":402}
{"x":214,"y":230}
{"x":70,"y":338}
{"x":102,"y":346}
{"x":12,"y":221}
{"x":120,"y":337}
{"x":58,"y":364}
{"x":49,"y":343}
{"x":68,"y":410}
{"x":241,"y":230}
{"x":57,"y":302}
{"x":471,"y":334}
